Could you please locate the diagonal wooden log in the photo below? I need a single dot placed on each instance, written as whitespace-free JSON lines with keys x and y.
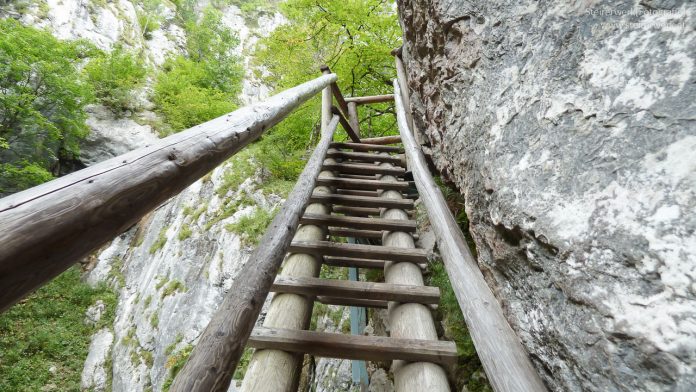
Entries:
{"x":214,"y":359}
{"x":506,"y":363}
{"x":47,"y":228}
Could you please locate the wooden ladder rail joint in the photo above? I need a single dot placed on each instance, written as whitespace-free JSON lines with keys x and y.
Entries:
{"x":346,"y":125}
{"x":504,"y":359}
{"x":48,"y":228}
{"x":214,"y":359}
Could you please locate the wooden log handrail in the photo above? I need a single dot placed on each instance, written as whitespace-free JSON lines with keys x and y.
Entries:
{"x":505,"y":361}
{"x":370,"y":99}
{"x":47,"y":228}
{"x":214,"y":359}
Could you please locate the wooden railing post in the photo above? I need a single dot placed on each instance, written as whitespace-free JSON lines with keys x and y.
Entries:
{"x":342,"y":110}
{"x":47,"y":228}
{"x":504,"y":359}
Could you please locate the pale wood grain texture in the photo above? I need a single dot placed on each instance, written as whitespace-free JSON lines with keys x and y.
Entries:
{"x":212,"y":362}
{"x":351,"y":183}
{"x":365,"y":157}
{"x":376,"y":252}
{"x":506,"y":363}
{"x":346,"y":125}
{"x":370,"y":99}
{"x":382,"y":140}
{"x":353,"y":118}
{"x":357,"y":289}
{"x":47,"y":228}
{"x":371,"y":348}
{"x":353,"y":233}
{"x":364,"y":169}
{"x":365,"y":303}
{"x":368,"y":147}
{"x":353,"y":222}
{"x":362,"y":201}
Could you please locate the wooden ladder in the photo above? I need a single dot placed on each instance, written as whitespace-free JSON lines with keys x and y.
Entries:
{"x":367,"y":182}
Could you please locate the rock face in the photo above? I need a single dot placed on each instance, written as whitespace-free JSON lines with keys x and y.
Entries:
{"x":570,"y":127}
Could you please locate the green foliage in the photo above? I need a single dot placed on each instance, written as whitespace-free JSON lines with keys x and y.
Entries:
{"x":154,"y":320}
{"x":174,"y":286}
{"x":114,"y":76}
{"x":251,"y":227}
{"x":204,"y":85}
{"x":174,"y":363}
{"x":47,"y":330}
{"x":160,"y":241}
{"x":354,"y":39}
{"x":21,"y":175}
{"x":42,"y":116}
{"x":185,"y":232}
{"x":240,"y":371}
{"x":150,"y":17}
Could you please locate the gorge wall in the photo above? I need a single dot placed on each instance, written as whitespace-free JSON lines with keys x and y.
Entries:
{"x":570,"y":128}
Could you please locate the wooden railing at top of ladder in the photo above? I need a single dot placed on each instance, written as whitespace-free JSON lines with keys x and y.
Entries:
{"x":505,"y":361}
{"x":45,"y":229}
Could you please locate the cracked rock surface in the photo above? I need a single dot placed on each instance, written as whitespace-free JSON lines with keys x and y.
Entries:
{"x":570,"y":127}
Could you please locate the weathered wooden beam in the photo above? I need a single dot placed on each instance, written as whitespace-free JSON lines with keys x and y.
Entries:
{"x":366,"y":157}
{"x":362,"y":201}
{"x":212,"y":362}
{"x":507,"y":365}
{"x":357,"y":192}
{"x":369,"y":348}
{"x":375,"y":252}
{"x":370,"y":99}
{"x":357,"y":289}
{"x":336,"y":92}
{"x":353,"y":222}
{"x":356,"y":211}
{"x":350,"y":183}
{"x":346,"y":125}
{"x":368,"y":147}
{"x":357,"y":176}
{"x":364,"y":169}
{"x":47,"y":228}
{"x":382,"y":140}
{"x":355,"y":233}
{"x":364,"y":303}
{"x":338,"y":261}
{"x":353,"y":118}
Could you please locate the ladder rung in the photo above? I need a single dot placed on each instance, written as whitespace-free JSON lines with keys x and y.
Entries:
{"x":357,"y":193}
{"x":364,"y":169}
{"x":357,"y":211}
{"x":365,"y":157}
{"x":353,"y":233}
{"x":369,"y":185}
{"x":363,"y":303}
{"x":335,"y":261}
{"x":374,"y":252}
{"x":356,"y":289}
{"x":353,"y":262}
{"x":356,"y":176}
{"x":353,"y":222}
{"x":368,"y":147}
{"x":369,"y":348}
{"x":361,"y":201}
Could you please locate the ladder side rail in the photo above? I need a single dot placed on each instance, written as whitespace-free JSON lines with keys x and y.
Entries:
{"x":505,"y":361}
{"x":216,"y":356}
{"x":47,"y":228}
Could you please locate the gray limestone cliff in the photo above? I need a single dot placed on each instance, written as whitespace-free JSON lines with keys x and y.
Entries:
{"x":570,"y":128}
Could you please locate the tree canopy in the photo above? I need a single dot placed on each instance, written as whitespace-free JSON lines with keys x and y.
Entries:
{"x":42,"y":116}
